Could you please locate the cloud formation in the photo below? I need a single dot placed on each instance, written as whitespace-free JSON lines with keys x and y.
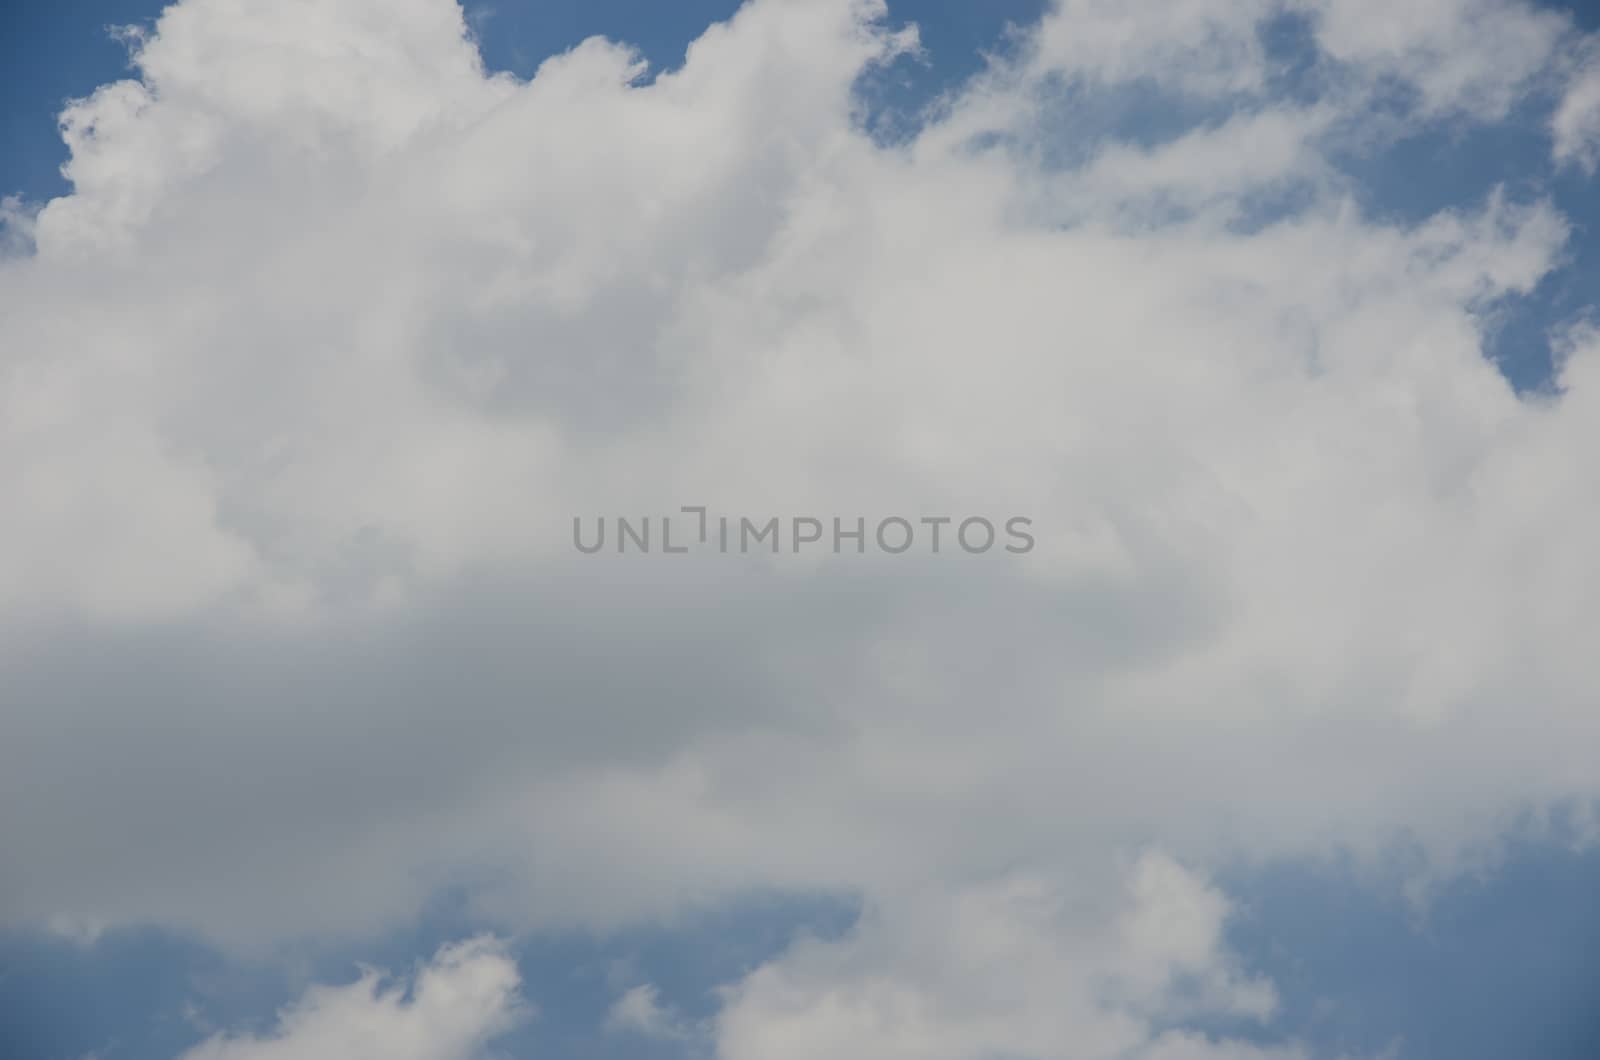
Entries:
{"x":306,"y":380}
{"x":450,"y":1010}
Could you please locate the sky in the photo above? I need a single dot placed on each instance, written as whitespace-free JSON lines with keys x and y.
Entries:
{"x":326,"y":325}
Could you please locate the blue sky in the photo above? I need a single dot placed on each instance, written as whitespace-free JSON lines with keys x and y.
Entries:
{"x":1501,"y":960}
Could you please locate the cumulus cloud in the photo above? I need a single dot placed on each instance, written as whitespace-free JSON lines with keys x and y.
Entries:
{"x":308,"y":377}
{"x":451,"y":1009}
{"x":1022,"y":966}
{"x":639,"y":1011}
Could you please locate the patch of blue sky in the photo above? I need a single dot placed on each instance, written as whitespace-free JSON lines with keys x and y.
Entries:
{"x":1497,"y":964}
{"x":517,"y":37}
{"x":50,"y":53}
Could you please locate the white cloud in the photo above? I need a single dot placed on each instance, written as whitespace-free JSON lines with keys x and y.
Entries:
{"x":1575,"y":126}
{"x":1471,"y":58}
{"x":307,"y":379}
{"x":1194,"y":46}
{"x":639,"y":1011}
{"x":1019,"y":966}
{"x":453,"y":1007}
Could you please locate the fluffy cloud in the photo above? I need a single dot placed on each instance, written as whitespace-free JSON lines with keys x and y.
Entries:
{"x":307,"y":379}
{"x":452,"y":1008}
{"x":1018,"y":967}
{"x":640,"y":1011}
{"x":1469,"y":58}
{"x":1575,"y":126}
